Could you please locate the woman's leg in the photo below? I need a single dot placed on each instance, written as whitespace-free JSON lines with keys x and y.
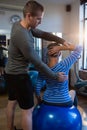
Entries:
{"x":74,"y":97}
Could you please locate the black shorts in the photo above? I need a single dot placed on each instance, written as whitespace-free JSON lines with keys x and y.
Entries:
{"x":20,"y":88}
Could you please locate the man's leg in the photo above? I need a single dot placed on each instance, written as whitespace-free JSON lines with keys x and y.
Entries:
{"x":10,"y":112}
{"x":20,"y":88}
{"x":27,"y":119}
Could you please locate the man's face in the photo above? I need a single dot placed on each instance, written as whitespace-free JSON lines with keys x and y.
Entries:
{"x":36,"y":20}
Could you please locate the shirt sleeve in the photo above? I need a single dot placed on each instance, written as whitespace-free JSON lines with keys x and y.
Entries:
{"x":47,"y":36}
{"x":72,"y":58}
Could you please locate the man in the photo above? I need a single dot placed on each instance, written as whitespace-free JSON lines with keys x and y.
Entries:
{"x":20,"y":54}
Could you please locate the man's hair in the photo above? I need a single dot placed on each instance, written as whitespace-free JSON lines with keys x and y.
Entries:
{"x":32,"y":7}
{"x":50,"y":46}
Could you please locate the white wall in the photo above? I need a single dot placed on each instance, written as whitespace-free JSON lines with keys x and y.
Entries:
{"x":5,"y":23}
{"x":56,"y":19}
{"x":74,"y":24}
{"x":74,"y":33}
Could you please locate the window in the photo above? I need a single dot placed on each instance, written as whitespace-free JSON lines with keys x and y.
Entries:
{"x":83,"y":35}
{"x":38,"y":46}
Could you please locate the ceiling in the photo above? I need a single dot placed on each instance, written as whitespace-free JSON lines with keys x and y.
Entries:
{"x":22,"y":2}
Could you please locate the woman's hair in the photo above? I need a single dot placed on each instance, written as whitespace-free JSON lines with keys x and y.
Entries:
{"x":32,"y":7}
{"x":50,"y":46}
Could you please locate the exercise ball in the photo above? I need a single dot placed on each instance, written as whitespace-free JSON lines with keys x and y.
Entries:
{"x":47,"y":117}
{"x":33,"y":76}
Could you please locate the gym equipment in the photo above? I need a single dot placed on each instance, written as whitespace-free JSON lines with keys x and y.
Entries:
{"x":33,"y":76}
{"x":46,"y":117}
{"x":80,"y":85}
{"x":2,"y":85}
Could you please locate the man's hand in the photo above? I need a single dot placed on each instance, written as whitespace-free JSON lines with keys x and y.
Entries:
{"x":56,"y":49}
{"x":62,"y":77}
{"x":69,"y":46}
{"x":1,"y":71}
{"x":66,"y":44}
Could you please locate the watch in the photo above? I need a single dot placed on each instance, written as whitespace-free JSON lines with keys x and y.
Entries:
{"x":15,"y":18}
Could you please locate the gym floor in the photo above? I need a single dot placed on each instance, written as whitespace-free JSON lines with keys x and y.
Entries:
{"x":82,"y":106}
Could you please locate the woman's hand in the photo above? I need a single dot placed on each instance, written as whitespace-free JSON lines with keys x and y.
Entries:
{"x":53,"y":50}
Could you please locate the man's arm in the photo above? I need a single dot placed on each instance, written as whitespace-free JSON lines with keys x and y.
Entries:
{"x":55,"y":49}
{"x":70,"y":47}
{"x":48,"y":36}
{"x":31,"y":56}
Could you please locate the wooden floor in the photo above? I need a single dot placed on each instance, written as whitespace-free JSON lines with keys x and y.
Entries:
{"x":82,"y":106}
